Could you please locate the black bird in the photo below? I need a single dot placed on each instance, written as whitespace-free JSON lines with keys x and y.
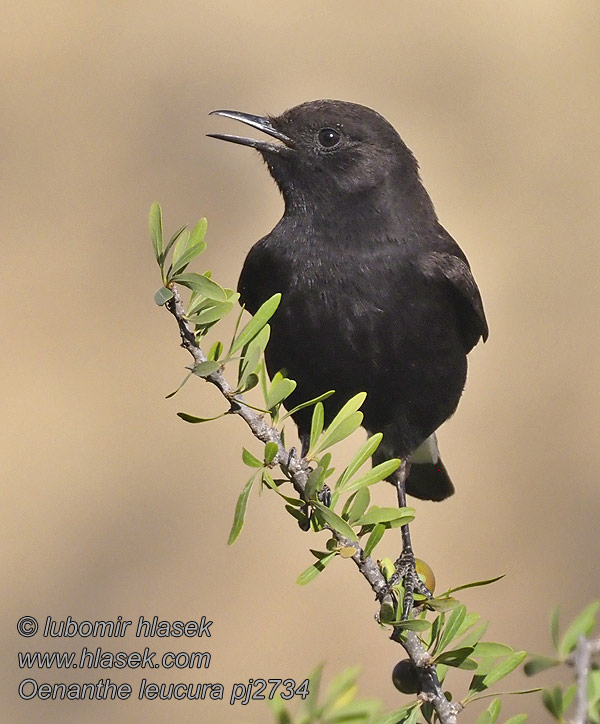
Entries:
{"x":376,"y":295}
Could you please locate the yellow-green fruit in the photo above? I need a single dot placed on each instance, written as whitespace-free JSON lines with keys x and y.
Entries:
{"x":426,"y":574}
{"x":405,"y":677}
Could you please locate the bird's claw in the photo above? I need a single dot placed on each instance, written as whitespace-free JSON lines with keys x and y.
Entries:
{"x":324,"y":496}
{"x":405,"y":570}
{"x":292,"y":457}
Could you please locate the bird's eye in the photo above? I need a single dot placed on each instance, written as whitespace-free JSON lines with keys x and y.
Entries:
{"x":329,"y":137}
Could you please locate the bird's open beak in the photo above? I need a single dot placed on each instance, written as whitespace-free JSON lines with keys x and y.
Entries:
{"x":262,"y":124}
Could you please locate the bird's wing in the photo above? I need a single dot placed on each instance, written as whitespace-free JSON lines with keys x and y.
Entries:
{"x":456,"y":272}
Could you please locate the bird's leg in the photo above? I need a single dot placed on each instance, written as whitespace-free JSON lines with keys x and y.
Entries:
{"x":292,"y":457}
{"x":305,"y":442}
{"x":405,"y":565}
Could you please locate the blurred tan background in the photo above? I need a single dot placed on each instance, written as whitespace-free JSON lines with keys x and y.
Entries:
{"x":113,"y":506}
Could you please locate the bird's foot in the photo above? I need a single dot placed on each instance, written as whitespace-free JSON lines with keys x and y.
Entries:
{"x":405,"y":570}
{"x":324,"y":495}
{"x":292,"y":458}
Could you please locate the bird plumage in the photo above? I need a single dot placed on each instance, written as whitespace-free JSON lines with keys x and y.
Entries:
{"x":376,"y":295}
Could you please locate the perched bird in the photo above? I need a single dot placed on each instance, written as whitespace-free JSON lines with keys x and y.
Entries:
{"x":376,"y":295}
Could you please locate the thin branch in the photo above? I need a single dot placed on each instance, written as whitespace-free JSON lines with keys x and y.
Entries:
{"x":581,"y":660}
{"x":297,"y":471}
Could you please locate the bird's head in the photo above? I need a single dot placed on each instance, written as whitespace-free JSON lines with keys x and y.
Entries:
{"x":328,"y":148}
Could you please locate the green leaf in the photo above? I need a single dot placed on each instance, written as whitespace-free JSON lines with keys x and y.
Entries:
{"x":553,"y":701}
{"x":494,"y":709}
{"x":470,"y":620}
{"x":193,"y":419}
{"x":340,"y":432}
{"x":490,"y":715}
{"x":582,"y":625}
{"x":295,"y":502}
{"x":516,"y":719}
{"x":276,"y":377}
{"x":353,"y":713}
{"x":374,"y":538}
{"x":314,"y":483}
{"x":204,"y":369}
{"x":163,"y":295}
{"x":442,"y":672}
{"x":313,"y":571}
{"x":458,"y":658}
{"x":387,"y":614}
{"x":258,"y":321}
{"x":363,"y":454}
{"x":539,"y":663}
{"x":156,"y":232}
{"x":249,"y":459}
{"x":340,"y":686}
{"x":386,"y":565}
{"x":347,"y":505}
{"x":240,"y":511}
{"x":452,"y":627}
{"x":358,"y":506}
{"x":176,"y":236}
{"x":279,"y":391}
{"x":299,"y":515}
{"x":428,"y":712}
{"x":383,"y":515}
{"x":569,"y":695}
{"x":436,"y":627}
{"x":343,"y":424}
{"x":504,"y":668}
{"x":349,"y":408}
{"x":180,"y":260}
{"x":182,"y":238}
{"x":375,"y":475}
{"x":261,"y":340}
{"x":473,"y":637}
{"x":302,"y":405}
{"x":281,"y":714}
{"x":200,"y":284}
{"x":476,"y":686}
{"x":198,"y":234}
{"x":271,"y":450}
{"x":413,"y":624}
{"x":471,"y":697}
{"x":249,"y":383}
{"x":594,"y":686}
{"x":316,"y":478}
{"x":311,"y":702}
{"x":401,"y":716}
{"x":489,"y":649}
{"x":253,"y":352}
{"x":442,"y":605}
{"x":212,"y":314}
{"x":399,"y":522}
{"x":332,"y":519}
{"x":316,"y":427}
{"x":188,"y":248}
{"x":175,"y":391}
{"x":486,"y":582}
{"x":554,"y":624}
{"x":199,"y":303}
{"x":215,"y":351}
{"x":251,"y":356}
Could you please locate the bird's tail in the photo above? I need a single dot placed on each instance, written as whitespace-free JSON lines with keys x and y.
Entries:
{"x":428,"y":479}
